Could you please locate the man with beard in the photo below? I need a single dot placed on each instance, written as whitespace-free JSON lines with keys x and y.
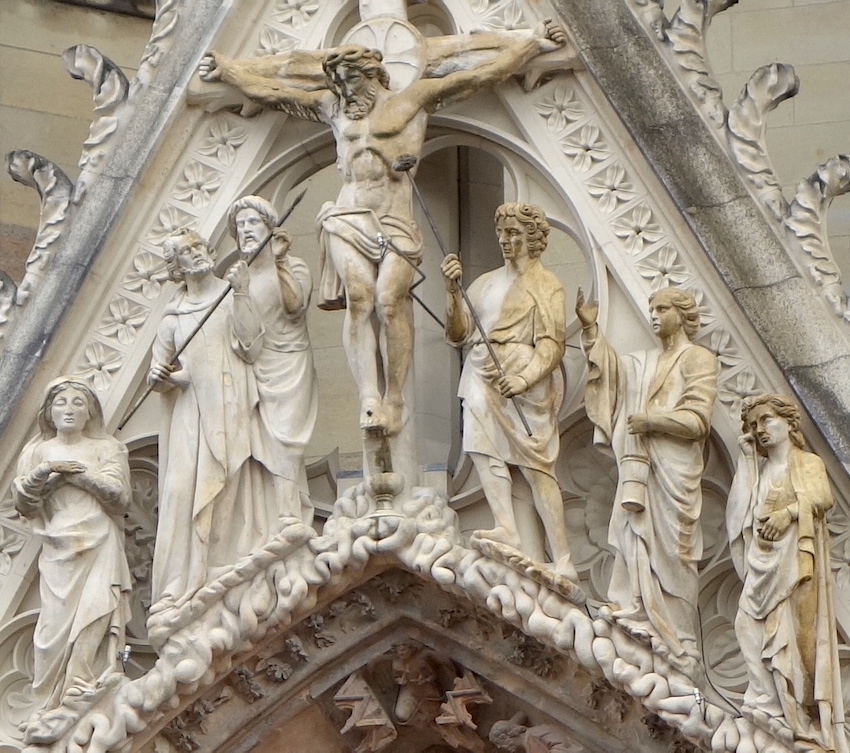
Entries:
{"x":370,"y":244}
{"x":210,"y":511}
{"x":270,"y":301}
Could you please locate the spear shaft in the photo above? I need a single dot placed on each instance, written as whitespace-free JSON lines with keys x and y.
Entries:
{"x":224,"y":293}
{"x":404,"y":164}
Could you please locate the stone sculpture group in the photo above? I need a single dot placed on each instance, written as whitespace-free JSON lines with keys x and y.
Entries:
{"x":239,"y":402}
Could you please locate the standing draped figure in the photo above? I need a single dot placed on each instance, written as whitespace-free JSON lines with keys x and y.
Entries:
{"x":213,"y":507}
{"x":654,"y":409}
{"x":779,"y":543}
{"x":73,"y":484}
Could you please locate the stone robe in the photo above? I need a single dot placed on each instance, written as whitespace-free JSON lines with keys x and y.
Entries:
{"x":786,"y":616}
{"x":517,"y":315}
{"x":654,"y":578}
{"x":84,"y":579}
{"x":282,"y":420}
{"x":215,"y":504}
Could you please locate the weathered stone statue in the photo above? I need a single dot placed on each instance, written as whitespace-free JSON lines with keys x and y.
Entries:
{"x":780,"y":547}
{"x":516,"y":735}
{"x":231,"y":457}
{"x":370,"y":243}
{"x":74,"y":484}
{"x":206,"y":465}
{"x":522,"y":307}
{"x":270,"y":302}
{"x":654,"y":408}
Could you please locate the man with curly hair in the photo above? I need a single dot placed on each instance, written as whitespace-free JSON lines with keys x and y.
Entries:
{"x":522,"y":306}
{"x":370,"y":244}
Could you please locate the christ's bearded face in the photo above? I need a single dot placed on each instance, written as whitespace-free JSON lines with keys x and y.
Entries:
{"x":356,"y":89}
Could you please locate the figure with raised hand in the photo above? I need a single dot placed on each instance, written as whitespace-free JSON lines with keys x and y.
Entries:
{"x":73,"y":484}
{"x":522,"y":307}
{"x":779,"y":541}
{"x":371,"y":245}
{"x":654,"y":409}
{"x":270,"y":302}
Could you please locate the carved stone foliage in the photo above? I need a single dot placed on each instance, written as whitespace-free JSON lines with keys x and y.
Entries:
{"x":807,"y":220}
{"x":110,"y":89}
{"x":165,"y":22}
{"x":686,"y":36}
{"x":216,"y":146}
{"x":54,"y":190}
{"x":747,"y":125}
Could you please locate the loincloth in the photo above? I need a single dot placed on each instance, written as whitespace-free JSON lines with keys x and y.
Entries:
{"x":360,"y":229}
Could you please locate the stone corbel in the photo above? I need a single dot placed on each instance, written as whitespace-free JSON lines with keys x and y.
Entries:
{"x":747,"y":125}
{"x":54,"y":189}
{"x":807,"y":220}
{"x":455,"y":723}
{"x":367,"y":714}
{"x":110,"y":89}
{"x":686,"y":36}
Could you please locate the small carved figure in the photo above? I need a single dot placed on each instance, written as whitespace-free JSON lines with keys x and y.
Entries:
{"x":73,"y":483}
{"x":370,"y":242}
{"x":515,"y":735}
{"x":270,"y":301}
{"x":423,"y":678}
{"x":654,"y":408}
{"x":522,"y":307}
{"x":780,"y":547}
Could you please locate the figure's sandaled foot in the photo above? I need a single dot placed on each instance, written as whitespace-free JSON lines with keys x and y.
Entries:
{"x":565,"y":568}
{"x":393,"y":417}
{"x":500,"y":535}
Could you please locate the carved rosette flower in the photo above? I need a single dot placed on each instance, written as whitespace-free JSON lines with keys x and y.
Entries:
{"x":585,"y":147}
{"x":147,"y":276}
{"x":509,"y":16}
{"x":611,"y":188}
{"x":482,"y":6}
{"x":274,"y":42}
{"x":199,"y":182}
{"x":738,"y":388}
{"x":560,"y":108}
{"x":722,"y":344}
{"x":637,"y":229}
{"x":100,"y":362}
{"x":170,"y":220}
{"x":295,"y":13}
{"x":663,"y":269}
{"x":123,"y":319}
{"x":222,"y":140}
